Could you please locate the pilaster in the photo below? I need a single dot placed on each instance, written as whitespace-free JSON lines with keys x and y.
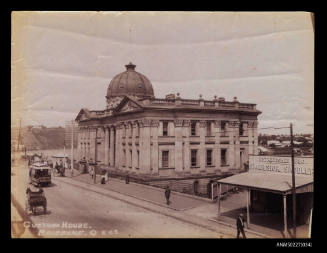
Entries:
{"x":187,"y":155}
{"x":127,"y":147}
{"x":217,"y":151}
{"x":155,"y":146}
{"x":134,"y":149}
{"x":202,"y":150}
{"x":145,"y":154}
{"x":106,"y":146}
{"x":112,"y":147}
{"x":178,"y":145}
{"x":230,"y":151}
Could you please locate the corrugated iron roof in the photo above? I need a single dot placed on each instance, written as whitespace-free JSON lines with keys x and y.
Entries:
{"x":273,"y":182}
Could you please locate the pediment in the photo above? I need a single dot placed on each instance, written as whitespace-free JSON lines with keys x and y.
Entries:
{"x":83,"y":115}
{"x":128,"y":105}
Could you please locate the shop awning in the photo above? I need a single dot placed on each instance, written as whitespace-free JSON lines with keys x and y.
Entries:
{"x":271,"y":182}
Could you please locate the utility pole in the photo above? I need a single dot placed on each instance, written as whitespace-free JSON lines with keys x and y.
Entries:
{"x":95,"y":155}
{"x":293,"y":182}
{"x":72,"y":150}
{"x":20,"y":125}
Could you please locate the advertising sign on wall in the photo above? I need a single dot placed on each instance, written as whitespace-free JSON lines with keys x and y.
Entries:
{"x":281,"y":164}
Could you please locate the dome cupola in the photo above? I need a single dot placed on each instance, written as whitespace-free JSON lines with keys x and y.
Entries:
{"x":130,"y":82}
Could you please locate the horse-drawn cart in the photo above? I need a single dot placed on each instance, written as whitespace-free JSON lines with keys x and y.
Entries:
{"x":60,"y":164}
{"x":35,"y":198}
{"x":40,"y":174}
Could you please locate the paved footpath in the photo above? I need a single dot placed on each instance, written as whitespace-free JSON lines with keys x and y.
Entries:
{"x":152,"y":198}
{"x":155,"y":195}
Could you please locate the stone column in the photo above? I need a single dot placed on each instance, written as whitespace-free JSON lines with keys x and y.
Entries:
{"x":178,"y":145}
{"x":145,"y":151}
{"x":118,"y":151}
{"x":155,"y":146}
{"x":187,"y":155}
{"x":255,"y":137}
{"x":106,"y":146}
{"x":87,"y":141}
{"x":216,"y":151}
{"x":230,"y":151}
{"x":134,"y":149}
{"x":84,"y":143}
{"x":202,"y":150}
{"x":78,"y":157}
{"x":127,"y":147}
{"x":92,"y":142}
{"x":112,"y":146}
{"x":237,"y":144}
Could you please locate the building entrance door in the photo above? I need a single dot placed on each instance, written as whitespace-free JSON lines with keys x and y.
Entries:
{"x":241,"y":159}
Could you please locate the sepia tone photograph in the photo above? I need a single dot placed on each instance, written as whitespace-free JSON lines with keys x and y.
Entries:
{"x":162,"y":124}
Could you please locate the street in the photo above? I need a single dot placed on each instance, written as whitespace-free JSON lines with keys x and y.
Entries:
{"x":76,"y":212}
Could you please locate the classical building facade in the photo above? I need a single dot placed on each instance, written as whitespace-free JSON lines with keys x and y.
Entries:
{"x":142,"y":134}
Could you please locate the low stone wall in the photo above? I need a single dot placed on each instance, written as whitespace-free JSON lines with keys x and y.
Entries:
{"x":199,"y":185}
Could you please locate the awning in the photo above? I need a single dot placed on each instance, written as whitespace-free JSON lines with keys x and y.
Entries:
{"x":271,"y":182}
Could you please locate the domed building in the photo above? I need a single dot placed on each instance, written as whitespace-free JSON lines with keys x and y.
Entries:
{"x":130,"y":83}
{"x":138,"y":133}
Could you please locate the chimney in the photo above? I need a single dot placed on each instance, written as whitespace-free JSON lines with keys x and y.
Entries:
{"x":201,"y":100}
{"x":178,"y":100}
{"x":215,"y":100}
{"x":236,"y":103}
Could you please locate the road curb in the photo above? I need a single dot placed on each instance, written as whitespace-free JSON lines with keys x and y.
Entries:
{"x":185,"y":218}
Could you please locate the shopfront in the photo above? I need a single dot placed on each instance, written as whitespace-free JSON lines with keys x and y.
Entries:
{"x":268,"y":184}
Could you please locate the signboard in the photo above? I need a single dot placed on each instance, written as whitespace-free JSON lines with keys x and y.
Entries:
{"x":281,"y":164}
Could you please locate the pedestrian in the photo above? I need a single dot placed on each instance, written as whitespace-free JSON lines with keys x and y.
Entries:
{"x":167,"y":194}
{"x":240,"y":226}
{"x":104,"y":177}
{"x":127,"y":179}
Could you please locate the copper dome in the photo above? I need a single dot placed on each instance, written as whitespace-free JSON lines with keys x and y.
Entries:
{"x":130,"y":82}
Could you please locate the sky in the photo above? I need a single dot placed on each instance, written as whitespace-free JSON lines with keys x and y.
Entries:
{"x":64,"y":61}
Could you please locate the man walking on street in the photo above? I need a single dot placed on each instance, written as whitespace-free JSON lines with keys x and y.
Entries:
{"x":240,"y":226}
{"x":167,"y":194}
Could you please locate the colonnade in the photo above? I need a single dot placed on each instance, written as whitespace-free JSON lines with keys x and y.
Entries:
{"x":137,"y":145}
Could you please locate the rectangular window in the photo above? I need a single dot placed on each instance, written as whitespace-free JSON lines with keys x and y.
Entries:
{"x":138,"y":159}
{"x":208,"y":128}
{"x":193,"y":157}
{"x":223,"y":125}
{"x":124,"y":161}
{"x":124,"y":132}
{"x":130,"y":161}
{"x":193,"y":128}
{"x":223,"y":128}
{"x":165,"y":157}
{"x":223,"y":157}
{"x":209,"y":157}
{"x":165,"y":128}
{"x":241,"y":129}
